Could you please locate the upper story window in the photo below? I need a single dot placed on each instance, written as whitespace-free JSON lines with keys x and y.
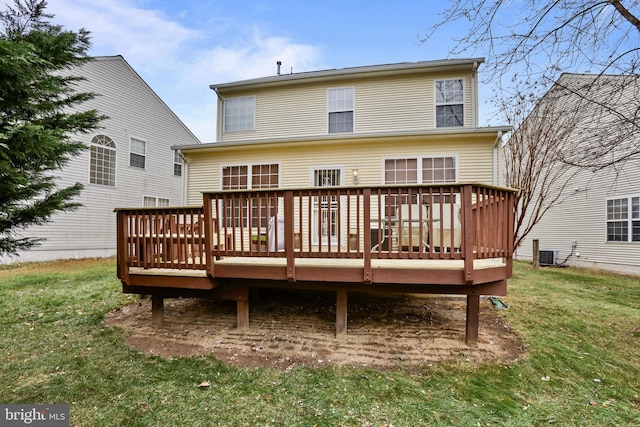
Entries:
{"x":340,"y":106}
{"x":177,"y":164}
{"x":102,"y":161}
{"x":623,"y":219}
{"x":239,"y":113}
{"x":137,"y":153}
{"x":449,"y":103}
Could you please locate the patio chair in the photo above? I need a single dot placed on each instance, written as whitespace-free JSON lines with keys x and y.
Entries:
{"x":413,"y":226}
{"x":447,"y":228}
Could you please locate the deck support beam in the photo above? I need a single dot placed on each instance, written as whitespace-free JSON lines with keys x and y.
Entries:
{"x":157,"y":310}
{"x":473,"y":320}
{"x":341,"y":313}
{"x":243,"y":309}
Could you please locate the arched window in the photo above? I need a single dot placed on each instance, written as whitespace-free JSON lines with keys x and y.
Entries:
{"x":102,"y":163}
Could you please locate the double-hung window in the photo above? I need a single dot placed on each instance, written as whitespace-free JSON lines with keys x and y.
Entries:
{"x":623,"y":219}
{"x":243,"y":177}
{"x":449,"y":103}
{"x":137,"y":153}
{"x":239,"y":113}
{"x":177,"y":164}
{"x":340,"y":107}
{"x":425,"y":170}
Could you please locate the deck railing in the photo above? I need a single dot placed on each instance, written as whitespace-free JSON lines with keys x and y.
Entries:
{"x":448,"y":222}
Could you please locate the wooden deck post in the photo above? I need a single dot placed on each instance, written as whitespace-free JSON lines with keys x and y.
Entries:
{"x":341,"y":313}
{"x":366,"y":195}
{"x":157,"y":310}
{"x":536,"y":254}
{"x":243,"y":309}
{"x":473,"y":320}
{"x":467,"y":232}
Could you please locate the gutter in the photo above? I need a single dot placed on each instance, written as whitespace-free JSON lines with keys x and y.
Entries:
{"x":185,"y":176}
{"x":219,"y":128}
{"x":495,"y":158}
{"x":474,"y":88}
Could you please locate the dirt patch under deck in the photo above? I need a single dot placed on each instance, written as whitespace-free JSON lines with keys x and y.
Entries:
{"x":289,"y":328}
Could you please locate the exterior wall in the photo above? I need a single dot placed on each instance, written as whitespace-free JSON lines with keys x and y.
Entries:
{"x":296,"y":160}
{"x":134,"y":110}
{"x":582,"y":218}
{"x":404,"y":103}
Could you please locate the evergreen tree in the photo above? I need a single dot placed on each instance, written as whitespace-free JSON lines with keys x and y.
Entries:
{"x":39,"y":112}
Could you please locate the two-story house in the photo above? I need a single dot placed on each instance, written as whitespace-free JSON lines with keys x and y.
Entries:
{"x":368,"y":179}
{"x":128,"y":162}
{"x":405,"y":123}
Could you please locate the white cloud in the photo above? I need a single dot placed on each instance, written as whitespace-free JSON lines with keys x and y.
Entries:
{"x":180,"y":62}
{"x":255,"y":57}
{"x":118,"y":27}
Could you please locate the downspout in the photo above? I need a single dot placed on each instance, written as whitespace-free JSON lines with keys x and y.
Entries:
{"x":185,"y":177}
{"x":218,"y":112}
{"x":495,"y":158}
{"x":474,"y":91}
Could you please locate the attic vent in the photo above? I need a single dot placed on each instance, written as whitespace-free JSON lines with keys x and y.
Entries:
{"x":548,"y":258}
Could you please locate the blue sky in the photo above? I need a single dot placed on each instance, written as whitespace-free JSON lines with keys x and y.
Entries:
{"x":181,"y":47}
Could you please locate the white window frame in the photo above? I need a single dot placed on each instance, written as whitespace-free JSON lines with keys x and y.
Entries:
{"x":341,"y":108}
{"x":250,"y":173}
{"x":445,"y":103}
{"x":632,"y":216}
{"x":143,"y":155}
{"x":246,"y":215}
{"x":419,"y":175}
{"x":113,"y":151}
{"x":156,"y":201}
{"x":177,"y":163}
{"x":420,"y":162}
{"x":324,"y":207}
{"x":238,"y":124}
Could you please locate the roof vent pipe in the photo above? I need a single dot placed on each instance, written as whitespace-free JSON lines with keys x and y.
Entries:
{"x":279,"y":63}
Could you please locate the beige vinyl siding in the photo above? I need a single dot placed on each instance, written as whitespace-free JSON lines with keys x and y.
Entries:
{"x":474,"y":158}
{"x":399,"y":104}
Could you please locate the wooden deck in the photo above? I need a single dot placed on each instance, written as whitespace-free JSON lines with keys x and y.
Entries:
{"x":453,"y":239}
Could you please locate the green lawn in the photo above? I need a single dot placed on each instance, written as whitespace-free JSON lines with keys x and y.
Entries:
{"x":582,"y":368}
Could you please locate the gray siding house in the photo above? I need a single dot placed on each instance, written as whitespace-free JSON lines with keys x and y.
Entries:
{"x":129,"y":162}
{"x":597,"y":224}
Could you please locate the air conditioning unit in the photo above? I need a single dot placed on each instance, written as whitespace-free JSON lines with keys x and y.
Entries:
{"x":548,"y":258}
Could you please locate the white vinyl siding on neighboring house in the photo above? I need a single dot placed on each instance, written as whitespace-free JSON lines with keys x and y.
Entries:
{"x":623,"y":219}
{"x":137,"y":153}
{"x":341,"y":110}
{"x":110,"y":183}
{"x":239,"y":113}
{"x":449,"y":102}
{"x":102,"y":161}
